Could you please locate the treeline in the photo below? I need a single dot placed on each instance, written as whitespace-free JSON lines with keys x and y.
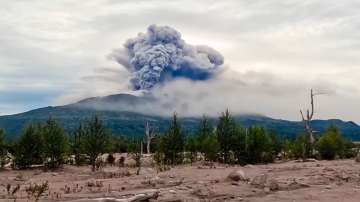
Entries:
{"x":50,"y":146}
{"x":232,"y":144}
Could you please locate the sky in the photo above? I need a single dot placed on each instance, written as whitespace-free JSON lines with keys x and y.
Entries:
{"x":57,"y":52}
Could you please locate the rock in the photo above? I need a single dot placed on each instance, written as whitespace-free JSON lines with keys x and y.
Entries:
{"x":249,"y":166}
{"x":296,"y":185}
{"x":328,"y":169}
{"x":264,"y":182}
{"x":267,"y":190}
{"x":203,"y":192}
{"x":235,"y":183}
{"x":147,"y":171}
{"x":237,"y":175}
{"x":344,"y":176}
{"x":157,"y":180}
{"x":259,"y":181}
{"x":130,"y":163}
{"x":272,"y":184}
{"x":311,"y":160}
{"x":357,"y":158}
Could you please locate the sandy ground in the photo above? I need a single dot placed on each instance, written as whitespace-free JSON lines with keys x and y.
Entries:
{"x":330,"y":181}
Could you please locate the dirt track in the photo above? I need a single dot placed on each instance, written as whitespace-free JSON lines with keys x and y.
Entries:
{"x":330,"y":181}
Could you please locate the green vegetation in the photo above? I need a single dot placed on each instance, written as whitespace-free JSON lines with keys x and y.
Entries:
{"x":207,"y":142}
{"x":226,"y":131}
{"x":49,"y":146}
{"x":259,"y":146}
{"x":55,"y":144}
{"x":77,"y":146}
{"x":331,"y":144}
{"x":96,"y":140}
{"x":3,"y":149}
{"x":171,"y":144}
{"x":28,"y":150}
{"x":131,"y":124}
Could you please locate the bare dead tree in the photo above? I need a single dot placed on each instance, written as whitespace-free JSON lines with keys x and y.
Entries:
{"x":309,"y":116}
{"x":149,"y":135}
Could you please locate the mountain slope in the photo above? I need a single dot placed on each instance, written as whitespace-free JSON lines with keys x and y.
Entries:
{"x":132,"y":124}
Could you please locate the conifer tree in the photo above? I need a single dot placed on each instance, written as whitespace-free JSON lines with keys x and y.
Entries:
{"x":225,"y":132}
{"x":96,"y":140}
{"x":172,"y":143}
{"x":207,"y":142}
{"x":29,"y":148}
{"x":55,"y":144}
{"x":77,"y":145}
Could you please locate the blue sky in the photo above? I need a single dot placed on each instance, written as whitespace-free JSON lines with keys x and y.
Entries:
{"x":56,"y":52}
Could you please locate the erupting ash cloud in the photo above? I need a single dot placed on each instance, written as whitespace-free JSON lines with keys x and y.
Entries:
{"x":161,"y":55}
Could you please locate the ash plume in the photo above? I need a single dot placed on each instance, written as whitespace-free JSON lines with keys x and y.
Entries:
{"x":160,"y":55}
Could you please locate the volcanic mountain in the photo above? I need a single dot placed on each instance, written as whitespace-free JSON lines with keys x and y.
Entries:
{"x":122,"y":117}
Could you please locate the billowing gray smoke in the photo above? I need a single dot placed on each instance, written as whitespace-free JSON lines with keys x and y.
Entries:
{"x":161,"y":55}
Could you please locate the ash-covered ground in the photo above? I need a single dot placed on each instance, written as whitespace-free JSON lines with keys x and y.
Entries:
{"x":291,"y":181}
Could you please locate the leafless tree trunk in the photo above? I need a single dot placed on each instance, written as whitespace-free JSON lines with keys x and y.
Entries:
{"x":150,"y":195}
{"x":149,"y":135}
{"x":308,"y":118}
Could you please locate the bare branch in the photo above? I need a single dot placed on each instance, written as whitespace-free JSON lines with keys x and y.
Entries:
{"x":302,"y":115}
{"x":312,"y":105}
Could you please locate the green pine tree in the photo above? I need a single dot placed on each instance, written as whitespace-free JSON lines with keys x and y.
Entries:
{"x":55,"y":144}
{"x":29,"y":148}
{"x":191,"y":148}
{"x":259,"y":146}
{"x":77,"y":145}
{"x":172,"y":143}
{"x":206,"y":140}
{"x":225,"y":131}
{"x":96,"y":140}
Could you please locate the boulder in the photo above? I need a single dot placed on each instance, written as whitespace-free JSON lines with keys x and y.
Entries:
{"x":264,"y":182}
{"x":237,"y":175}
{"x":273,"y":185}
{"x":259,"y":181}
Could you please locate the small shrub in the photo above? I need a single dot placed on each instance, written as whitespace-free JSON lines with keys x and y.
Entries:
{"x":331,"y":144}
{"x":96,"y":183}
{"x":12,"y":190}
{"x":72,"y":189}
{"x":162,"y":168}
{"x":110,"y":159}
{"x":34,"y":191}
{"x":99,"y":164}
{"x":121,"y":161}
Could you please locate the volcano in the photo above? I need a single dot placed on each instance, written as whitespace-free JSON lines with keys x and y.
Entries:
{"x":123,"y":119}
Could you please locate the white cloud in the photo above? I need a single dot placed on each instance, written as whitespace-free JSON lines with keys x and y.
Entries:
{"x":290,"y":45}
